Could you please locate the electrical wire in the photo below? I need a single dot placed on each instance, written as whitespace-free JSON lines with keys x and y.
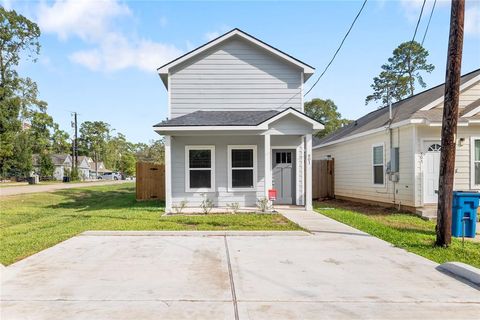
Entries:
{"x":339,"y":47}
{"x":428,"y":24}
{"x":418,"y":21}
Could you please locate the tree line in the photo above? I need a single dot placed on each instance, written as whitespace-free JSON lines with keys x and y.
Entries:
{"x":27,"y":129}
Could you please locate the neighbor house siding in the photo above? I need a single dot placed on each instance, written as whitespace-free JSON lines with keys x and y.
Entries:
{"x":462,"y":179}
{"x":234,"y":75}
{"x":467,"y":96}
{"x":354,"y":171}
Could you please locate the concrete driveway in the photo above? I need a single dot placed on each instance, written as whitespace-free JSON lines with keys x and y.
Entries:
{"x":336,"y":273}
{"x":23,"y":189}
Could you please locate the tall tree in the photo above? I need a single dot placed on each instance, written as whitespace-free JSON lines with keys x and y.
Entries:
{"x":153,"y":152}
{"x":59,"y":140}
{"x":18,"y":96}
{"x":400,"y":75}
{"x":93,"y":140}
{"x":326,"y":112}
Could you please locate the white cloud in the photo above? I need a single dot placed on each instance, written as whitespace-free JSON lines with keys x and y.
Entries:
{"x":215,"y":34}
{"x":412,"y":8}
{"x":86,"y":19}
{"x":472,"y":20}
{"x":117,"y":52}
{"x":94,"y":23}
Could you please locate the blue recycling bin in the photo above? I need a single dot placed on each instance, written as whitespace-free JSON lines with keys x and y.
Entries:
{"x":464,"y":215}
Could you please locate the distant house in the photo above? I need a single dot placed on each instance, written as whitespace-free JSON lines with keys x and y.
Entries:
{"x":61,"y":162}
{"x":397,"y":161}
{"x":99,"y":168}
{"x":83,"y":167}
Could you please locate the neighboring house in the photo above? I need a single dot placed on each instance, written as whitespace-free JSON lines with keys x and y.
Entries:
{"x":369,"y":167}
{"x":98,"y":167}
{"x":83,"y":167}
{"x":236,"y":126}
{"x":61,"y":162}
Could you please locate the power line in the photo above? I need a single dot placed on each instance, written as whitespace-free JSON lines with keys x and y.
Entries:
{"x":428,"y":24}
{"x":418,"y":21}
{"x":339,"y":47}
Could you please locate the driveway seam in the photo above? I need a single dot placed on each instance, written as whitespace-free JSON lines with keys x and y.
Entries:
{"x":232,"y":283}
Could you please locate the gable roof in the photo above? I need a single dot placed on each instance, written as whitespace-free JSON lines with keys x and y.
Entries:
{"x":163,"y":70}
{"x":217,"y":120}
{"x":403,"y":110}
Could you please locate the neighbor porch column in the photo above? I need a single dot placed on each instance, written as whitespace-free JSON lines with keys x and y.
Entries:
{"x":268,"y":164}
{"x":168,"y":173}
{"x":308,"y":172}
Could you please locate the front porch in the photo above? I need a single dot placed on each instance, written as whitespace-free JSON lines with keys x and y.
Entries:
{"x":225,"y":166}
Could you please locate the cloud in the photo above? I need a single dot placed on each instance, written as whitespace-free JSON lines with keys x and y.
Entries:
{"x":215,"y":34}
{"x":472,"y":20}
{"x":117,"y":52}
{"x":85,"y":19}
{"x":94,"y":22}
{"x":412,"y":8}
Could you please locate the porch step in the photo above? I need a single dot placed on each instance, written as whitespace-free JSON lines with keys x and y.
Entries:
{"x":428,"y":213}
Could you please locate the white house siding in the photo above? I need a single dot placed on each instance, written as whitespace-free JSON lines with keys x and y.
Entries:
{"x":462,"y":159}
{"x":235,"y":75}
{"x":58,"y":173}
{"x":467,"y":96}
{"x":221,"y":196}
{"x":354,"y":170}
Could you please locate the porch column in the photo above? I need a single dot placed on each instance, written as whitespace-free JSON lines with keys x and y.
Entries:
{"x":308,"y":172}
{"x":168,"y":174}
{"x":268,"y":164}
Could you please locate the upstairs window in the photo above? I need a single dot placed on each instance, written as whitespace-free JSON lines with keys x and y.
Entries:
{"x":200,"y":168}
{"x":242,"y":167}
{"x":378,"y":165}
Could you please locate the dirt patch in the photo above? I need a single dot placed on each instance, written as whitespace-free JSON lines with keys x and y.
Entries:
{"x":359,"y":207}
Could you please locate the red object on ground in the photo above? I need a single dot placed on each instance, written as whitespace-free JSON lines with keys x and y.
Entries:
{"x":272,"y":194}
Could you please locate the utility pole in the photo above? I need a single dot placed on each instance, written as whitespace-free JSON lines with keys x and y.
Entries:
{"x":449,"y":124}
{"x":75,"y":154}
{"x":74,"y":141}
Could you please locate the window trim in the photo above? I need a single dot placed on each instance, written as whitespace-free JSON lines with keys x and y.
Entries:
{"x":187,"y":168}
{"x":255,"y":166}
{"x":472,"y":162}
{"x":377,"y":165}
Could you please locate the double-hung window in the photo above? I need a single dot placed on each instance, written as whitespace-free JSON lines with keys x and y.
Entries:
{"x":476,"y":162}
{"x":242,"y":168}
{"x":199,"y":168}
{"x":378,"y":165}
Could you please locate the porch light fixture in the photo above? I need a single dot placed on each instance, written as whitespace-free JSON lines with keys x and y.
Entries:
{"x":461,"y":141}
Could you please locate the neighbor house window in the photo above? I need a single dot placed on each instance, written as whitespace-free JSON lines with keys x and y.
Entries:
{"x":476,"y":162}
{"x":200,"y":168}
{"x":378,"y":164}
{"x":242,"y":167}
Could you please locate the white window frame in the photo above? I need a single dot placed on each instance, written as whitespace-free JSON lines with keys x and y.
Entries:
{"x":374,"y":165}
{"x":255,"y":166}
{"x":187,"y":168}
{"x":472,"y":161}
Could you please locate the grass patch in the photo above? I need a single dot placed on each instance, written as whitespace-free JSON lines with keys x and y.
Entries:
{"x":403,"y":230}
{"x":32,"y":222}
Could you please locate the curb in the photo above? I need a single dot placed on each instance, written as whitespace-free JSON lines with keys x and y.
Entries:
{"x":462,"y":270}
{"x":194,"y":233}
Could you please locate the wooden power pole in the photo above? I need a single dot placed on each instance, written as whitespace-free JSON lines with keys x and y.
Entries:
{"x":449,"y":124}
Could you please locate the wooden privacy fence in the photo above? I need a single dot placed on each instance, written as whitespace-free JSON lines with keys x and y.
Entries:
{"x":323,"y":175}
{"x":150,"y":181}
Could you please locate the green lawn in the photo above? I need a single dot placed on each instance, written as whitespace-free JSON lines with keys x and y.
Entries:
{"x":403,"y":230}
{"x":32,"y":222}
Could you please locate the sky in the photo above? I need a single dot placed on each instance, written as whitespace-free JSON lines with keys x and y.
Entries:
{"x":99,"y":58}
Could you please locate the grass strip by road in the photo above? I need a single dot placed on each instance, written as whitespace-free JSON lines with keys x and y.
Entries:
{"x":403,"y":230}
{"x":32,"y":222}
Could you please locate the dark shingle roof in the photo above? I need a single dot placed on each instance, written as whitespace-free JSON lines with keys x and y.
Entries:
{"x":220,"y":118}
{"x":402,"y":110}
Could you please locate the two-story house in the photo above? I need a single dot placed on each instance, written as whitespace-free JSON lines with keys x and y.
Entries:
{"x":236,"y":127}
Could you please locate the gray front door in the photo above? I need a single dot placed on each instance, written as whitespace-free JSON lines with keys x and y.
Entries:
{"x":283,"y":164}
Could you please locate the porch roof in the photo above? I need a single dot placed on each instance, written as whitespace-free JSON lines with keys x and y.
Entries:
{"x":232,"y":120}
{"x":219,"y":118}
